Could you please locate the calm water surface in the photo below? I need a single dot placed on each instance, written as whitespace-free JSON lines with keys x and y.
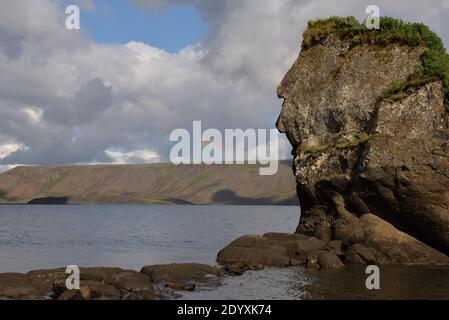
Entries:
{"x":33,"y":237}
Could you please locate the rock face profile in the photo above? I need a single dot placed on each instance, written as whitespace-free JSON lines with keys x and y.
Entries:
{"x":366,"y":112}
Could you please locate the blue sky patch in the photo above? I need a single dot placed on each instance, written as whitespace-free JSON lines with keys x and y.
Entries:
{"x":119,"y":22}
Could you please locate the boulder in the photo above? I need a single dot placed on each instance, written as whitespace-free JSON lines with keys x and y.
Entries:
{"x":93,"y":290}
{"x":309,"y":245}
{"x":253,"y":250}
{"x":132,"y":281}
{"x":180,"y":272}
{"x":396,"y":247}
{"x":360,"y":254}
{"x":43,"y":280}
{"x":324,"y":260}
{"x":335,"y":247}
{"x":285,"y":237}
{"x":106,"y":275}
{"x":329,"y":260}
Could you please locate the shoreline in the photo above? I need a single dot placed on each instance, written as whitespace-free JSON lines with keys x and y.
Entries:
{"x":306,"y":256}
{"x":154,"y":282}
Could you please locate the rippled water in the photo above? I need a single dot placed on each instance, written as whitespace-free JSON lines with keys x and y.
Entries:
{"x":33,"y":237}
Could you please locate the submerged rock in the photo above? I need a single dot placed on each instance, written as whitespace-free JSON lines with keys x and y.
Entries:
{"x":278,"y":250}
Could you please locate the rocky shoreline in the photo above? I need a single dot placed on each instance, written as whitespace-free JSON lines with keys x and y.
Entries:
{"x":162,"y":282}
{"x":155,"y":282}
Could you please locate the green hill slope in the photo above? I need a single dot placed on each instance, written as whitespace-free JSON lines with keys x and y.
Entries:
{"x":149,"y":184}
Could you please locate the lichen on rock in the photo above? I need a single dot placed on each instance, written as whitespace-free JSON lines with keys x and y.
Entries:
{"x":376,"y":100}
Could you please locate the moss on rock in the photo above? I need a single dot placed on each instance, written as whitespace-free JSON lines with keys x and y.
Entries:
{"x":434,"y":64}
{"x":357,"y":140}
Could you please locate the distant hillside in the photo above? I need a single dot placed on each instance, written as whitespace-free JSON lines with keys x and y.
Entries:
{"x":148,"y":184}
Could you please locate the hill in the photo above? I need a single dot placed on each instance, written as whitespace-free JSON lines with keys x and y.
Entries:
{"x":148,"y":184}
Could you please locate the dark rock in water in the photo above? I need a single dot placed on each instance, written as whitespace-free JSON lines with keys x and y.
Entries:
{"x":372,"y":168}
{"x":179,"y":272}
{"x":279,"y":250}
{"x":252,"y":250}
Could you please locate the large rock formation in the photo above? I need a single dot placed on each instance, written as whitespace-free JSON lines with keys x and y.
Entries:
{"x":370,"y":133}
{"x":366,"y":112}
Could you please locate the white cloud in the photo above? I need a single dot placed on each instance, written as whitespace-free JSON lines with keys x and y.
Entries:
{"x":137,"y":156}
{"x":71,"y":100}
{"x":34,"y":115}
{"x":10,"y":148}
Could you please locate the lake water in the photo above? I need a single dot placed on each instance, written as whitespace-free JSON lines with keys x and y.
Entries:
{"x":35,"y":237}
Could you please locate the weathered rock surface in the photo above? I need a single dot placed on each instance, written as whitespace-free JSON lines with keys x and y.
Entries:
{"x":108,"y":283}
{"x":252,"y":252}
{"x":173,"y":273}
{"x":15,"y":286}
{"x":372,"y":173}
{"x":371,"y":163}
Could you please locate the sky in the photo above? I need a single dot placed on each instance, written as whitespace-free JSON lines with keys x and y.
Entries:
{"x":113,"y":91}
{"x":119,"y":22}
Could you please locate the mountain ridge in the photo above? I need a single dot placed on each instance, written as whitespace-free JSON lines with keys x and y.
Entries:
{"x":161,"y":183}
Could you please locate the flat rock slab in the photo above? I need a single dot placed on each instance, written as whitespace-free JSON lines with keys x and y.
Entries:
{"x":271,"y":249}
{"x":180,"y":272}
